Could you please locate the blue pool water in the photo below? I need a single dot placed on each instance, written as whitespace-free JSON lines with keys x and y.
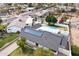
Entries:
{"x":52,"y":27}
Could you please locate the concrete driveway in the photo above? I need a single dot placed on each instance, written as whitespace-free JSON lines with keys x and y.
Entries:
{"x":9,"y":49}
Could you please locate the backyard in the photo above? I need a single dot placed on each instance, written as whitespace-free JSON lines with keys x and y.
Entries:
{"x":59,"y":27}
{"x":52,"y":20}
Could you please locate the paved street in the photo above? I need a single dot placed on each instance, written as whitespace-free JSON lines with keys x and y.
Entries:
{"x":9,"y":49}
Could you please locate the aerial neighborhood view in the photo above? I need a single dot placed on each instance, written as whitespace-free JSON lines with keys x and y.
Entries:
{"x":39,"y":29}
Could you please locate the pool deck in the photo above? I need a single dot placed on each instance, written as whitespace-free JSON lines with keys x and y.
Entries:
{"x":55,"y":30}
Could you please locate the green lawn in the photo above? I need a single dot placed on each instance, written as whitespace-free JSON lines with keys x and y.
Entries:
{"x":28,"y":52}
{"x":2,"y":27}
{"x":6,"y":39}
{"x":75,"y":50}
{"x":18,"y":52}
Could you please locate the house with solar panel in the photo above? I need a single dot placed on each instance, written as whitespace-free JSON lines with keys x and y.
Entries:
{"x":49,"y":37}
{"x":3,"y":15}
{"x":19,"y":23}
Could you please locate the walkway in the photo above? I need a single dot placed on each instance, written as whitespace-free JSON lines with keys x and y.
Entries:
{"x":9,"y":49}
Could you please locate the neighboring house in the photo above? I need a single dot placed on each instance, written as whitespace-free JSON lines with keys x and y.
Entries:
{"x":2,"y":5}
{"x":29,"y":21}
{"x":46,"y":37}
{"x":41,"y":13}
{"x":30,"y":8}
{"x":8,"y":20}
{"x":18,"y":24}
{"x":51,"y":10}
{"x":3,"y":15}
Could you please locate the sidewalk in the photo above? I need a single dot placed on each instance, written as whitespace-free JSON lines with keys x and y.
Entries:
{"x":9,"y":49}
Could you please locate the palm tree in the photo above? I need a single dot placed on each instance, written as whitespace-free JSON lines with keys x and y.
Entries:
{"x":42,"y":52}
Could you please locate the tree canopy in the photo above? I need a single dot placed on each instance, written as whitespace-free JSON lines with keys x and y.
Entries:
{"x":51,"y":19}
{"x":21,"y":43}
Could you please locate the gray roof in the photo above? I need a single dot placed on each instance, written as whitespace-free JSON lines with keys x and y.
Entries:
{"x":19,"y":22}
{"x":3,"y":14}
{"x":47,"y":39}
{"x":33,"y":32}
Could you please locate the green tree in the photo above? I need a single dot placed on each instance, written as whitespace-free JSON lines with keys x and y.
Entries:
{"x":51,"y":19}
{"x":42,"y":52}
{"x":21,"y":43}
{"x":15,"y":4}
{"x":9,"y":4}
{"x":19,"y":7}
{"x":30,"y":5}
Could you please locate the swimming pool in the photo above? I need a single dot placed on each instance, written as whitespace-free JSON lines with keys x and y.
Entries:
{"x":62,"y":28}
{"x":52,"y":27}
{"x":49,"y":29}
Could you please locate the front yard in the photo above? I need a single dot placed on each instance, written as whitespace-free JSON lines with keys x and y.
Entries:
{"x":29,"y":51}
{"x":2,"y":27}
{"x":18,"y":52}
{"x":7,"y":38}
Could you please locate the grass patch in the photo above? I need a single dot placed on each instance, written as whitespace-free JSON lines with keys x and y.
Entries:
{"x":2,"y":27}
{"x":29,"y":51}
{"x":75,"y":50}
{"x":18,"y":52}
{"x":6,"y":39}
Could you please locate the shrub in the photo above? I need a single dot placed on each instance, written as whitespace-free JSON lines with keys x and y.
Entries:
{"x":43,"y":52}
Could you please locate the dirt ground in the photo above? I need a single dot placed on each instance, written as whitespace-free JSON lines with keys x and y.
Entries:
{"x":75,"y":32}
{"x":75,"y":36}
